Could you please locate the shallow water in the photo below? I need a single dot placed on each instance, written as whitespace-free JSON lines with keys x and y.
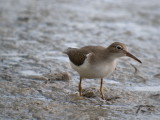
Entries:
{"x":33,"y":36}
{"x":147,"y":88}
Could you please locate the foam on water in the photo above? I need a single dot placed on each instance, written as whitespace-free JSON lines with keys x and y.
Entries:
{"x":112,"y":82}
{"x":146,"y":88}
{"x":29,"y":72}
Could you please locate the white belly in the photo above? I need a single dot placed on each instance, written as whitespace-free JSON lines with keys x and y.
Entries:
{"x":94,"y":71}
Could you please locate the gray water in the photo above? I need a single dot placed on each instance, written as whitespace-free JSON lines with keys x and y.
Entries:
{"x":33,"y":35}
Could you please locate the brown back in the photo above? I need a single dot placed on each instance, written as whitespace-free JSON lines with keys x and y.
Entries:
{"x":78,"y":56}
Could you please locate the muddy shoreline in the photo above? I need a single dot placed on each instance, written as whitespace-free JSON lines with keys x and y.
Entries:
{"x":33,"y":36}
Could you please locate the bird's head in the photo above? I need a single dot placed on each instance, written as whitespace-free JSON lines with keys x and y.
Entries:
{"x":120,"y":50}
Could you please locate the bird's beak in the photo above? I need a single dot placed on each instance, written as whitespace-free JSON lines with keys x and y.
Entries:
{"x":132,"y":56}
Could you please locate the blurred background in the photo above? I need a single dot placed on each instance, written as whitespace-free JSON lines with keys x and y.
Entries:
{"x":33,"y":35}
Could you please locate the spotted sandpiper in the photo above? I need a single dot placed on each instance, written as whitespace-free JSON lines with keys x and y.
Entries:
{"x":97,"y":61}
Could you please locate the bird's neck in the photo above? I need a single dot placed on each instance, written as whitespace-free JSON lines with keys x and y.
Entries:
{"x":109,"y":56}
{"x":103,"y":56}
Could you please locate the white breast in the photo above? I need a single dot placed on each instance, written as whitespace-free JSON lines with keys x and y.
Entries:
{"x":87,"y":70}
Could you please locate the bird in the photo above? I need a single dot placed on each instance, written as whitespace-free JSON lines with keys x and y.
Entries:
{"x":97,"y":62}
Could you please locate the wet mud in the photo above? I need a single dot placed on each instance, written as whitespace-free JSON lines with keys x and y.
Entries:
{"x":36,"y":80}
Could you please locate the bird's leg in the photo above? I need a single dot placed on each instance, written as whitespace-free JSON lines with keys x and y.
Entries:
{"x":101,"y":88}
{"x":80,"y":87}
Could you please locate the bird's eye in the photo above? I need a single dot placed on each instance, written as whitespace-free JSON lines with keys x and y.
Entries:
{"x":119,"y":47}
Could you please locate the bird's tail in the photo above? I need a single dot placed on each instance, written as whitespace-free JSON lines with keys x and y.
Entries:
{"x":67,"y":50}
